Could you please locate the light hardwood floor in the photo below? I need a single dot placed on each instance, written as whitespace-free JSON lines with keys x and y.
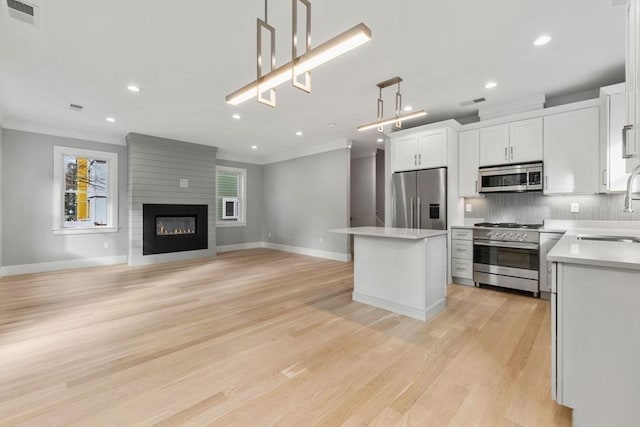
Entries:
{"x":262,"y":337}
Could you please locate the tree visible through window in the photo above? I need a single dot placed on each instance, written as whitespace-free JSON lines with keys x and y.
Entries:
{"x":85,"y":192}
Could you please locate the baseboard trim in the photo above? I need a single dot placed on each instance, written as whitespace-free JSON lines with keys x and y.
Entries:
{"x":239,"y":247}
{"x":12,"y":270}
{"x":336,"y":256}
{"x":416,"y":313}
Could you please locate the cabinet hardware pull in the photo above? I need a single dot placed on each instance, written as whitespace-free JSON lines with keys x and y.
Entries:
{"x":625,"y":149}
{"x":505,"y":153}
{"x":419,"y":213}
{"x":604,"y":177}
{"x":420,"y":158}
{"x":476,"y":186}
{"x":511,"y":148}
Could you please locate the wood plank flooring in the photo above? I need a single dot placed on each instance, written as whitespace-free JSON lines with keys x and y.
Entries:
{"x":261,"y":337}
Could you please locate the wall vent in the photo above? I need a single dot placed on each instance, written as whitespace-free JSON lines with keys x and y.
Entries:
{"x":22,"y":11}
{"x":472,"y":102}
{"x":76,"y":107}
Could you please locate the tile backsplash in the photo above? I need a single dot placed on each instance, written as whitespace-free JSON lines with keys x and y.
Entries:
{"x":534,"y":207}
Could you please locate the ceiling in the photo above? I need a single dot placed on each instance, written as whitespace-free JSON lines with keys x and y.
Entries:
{"x":187,"y":55}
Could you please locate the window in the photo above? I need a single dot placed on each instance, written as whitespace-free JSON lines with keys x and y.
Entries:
{"x":85,"y":191}
{"x":231,"y":189}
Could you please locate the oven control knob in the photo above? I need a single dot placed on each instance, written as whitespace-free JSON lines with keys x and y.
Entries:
{"x":489,"y":234}
{"x":510,"y":235}
{"x":504,"y":235}
{"x":518,"y":237}
{"x":524,"y":236}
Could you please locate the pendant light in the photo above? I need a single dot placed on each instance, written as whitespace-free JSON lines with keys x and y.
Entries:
{"x":300,"y":64}
{"x":399,"y":117}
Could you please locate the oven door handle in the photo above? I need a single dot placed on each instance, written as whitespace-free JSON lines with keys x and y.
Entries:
{"x":517,"y":245}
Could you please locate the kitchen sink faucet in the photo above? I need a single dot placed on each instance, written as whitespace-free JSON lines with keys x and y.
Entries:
{"x":628,"y":199}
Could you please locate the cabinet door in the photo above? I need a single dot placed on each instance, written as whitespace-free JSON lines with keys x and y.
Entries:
{"x":494,"y":145}
{"x":547,"y":242}
{"x":468,"y":162}
{"x":571,"y":152}
{"x":615,"y":176}
{"x":525,"y":141}
{"x":433,"y":149}
{"x":405,"y":153}
{"x":632,"y":78}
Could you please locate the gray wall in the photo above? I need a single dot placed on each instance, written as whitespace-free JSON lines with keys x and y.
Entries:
{"x":1,"y":201}
{"x":27,"y":202}
{"x":252,"y":232}
{"x":363,"y":191}
{"x":380,"y":174}
{"x":306,"y":197}
{"x":156,"y":166}
{"x":535,"y":207}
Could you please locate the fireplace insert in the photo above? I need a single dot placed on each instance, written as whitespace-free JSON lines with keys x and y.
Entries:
{"x":173,"y":228}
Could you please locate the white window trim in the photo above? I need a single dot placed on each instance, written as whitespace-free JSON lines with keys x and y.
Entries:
{"x":242,"y":197}
{"x":58,"y":190}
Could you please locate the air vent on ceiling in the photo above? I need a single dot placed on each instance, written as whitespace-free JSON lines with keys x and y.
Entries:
{"x":76,"y":107}
{"x":22,"y":11}
{"x":472,"y":102}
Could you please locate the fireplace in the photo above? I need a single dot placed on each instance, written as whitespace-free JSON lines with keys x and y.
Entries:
{"x":173,"y":228}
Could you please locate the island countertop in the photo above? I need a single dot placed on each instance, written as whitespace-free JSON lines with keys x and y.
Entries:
{"x":390,"y":232}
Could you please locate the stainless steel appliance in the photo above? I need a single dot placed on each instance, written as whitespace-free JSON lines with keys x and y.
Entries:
{"x":507,"y":255}
{"x":511,"y":178}
{"x":420,"y":199}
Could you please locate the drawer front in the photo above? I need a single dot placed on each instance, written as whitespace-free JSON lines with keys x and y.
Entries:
{"x":462,"y":268}
{"x":462,"y":233}
{"x":462,"y":249}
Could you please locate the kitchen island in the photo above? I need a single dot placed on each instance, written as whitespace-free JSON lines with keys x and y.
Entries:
{"x":400,"y":269}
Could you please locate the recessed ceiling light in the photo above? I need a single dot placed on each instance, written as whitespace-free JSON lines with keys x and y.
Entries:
{"x":254,"y":147}
{"x":544,"y":39}
{"x":133,"y":88}
{"x":299,"y":133}
{"x":110,"y":119}
{"x":380,"y":140}
{"x":236,"y":116}
{"x":331,"y":125}
{"x":408,"y":108}
{"x":490,"y":85}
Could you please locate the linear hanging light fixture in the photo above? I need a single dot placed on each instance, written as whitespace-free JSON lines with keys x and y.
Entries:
{"x":399,"y":117}
{"x":300,"y":65}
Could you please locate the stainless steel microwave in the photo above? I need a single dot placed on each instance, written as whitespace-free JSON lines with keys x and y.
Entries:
{"x":511,"y":178}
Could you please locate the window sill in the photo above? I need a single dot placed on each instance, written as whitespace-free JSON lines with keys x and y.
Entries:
{"x":231,"y":224}
{"x":92,"y":230}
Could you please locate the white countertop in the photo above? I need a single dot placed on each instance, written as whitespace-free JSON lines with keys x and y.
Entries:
{"x":395,"y":233}
{"x":570,"y":249}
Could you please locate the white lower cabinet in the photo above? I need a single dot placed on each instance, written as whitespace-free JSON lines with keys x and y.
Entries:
{"x":595,"y":367}
{"x":462,"y":253}
{"x":547,"y":242}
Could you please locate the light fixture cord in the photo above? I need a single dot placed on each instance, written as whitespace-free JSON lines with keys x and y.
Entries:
{"x":266,"y":19}
{"x":398,"y":107}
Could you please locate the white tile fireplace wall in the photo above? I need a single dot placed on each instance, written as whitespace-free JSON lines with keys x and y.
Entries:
{"x":156,"y":168}
{"x":535,"y":207}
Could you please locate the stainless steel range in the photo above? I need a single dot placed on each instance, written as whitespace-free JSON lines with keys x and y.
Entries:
{"x":507,"y":255}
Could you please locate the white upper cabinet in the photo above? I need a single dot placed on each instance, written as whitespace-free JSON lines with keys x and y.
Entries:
{"x":423,"y":150}
{"x":405,"y":153}
{"x":494,"y":145}
{"x":613,"y":175}
{"x":525,"y":141}
{"x":468,"y":162}
{"x":631,"y":138}
{"x":433,"y":149}
{"x":516,"y":142}
{"x":571,"y":152}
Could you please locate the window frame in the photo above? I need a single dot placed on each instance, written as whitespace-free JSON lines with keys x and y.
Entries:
{"x":242,"y":198}
{"x":111,"y":158}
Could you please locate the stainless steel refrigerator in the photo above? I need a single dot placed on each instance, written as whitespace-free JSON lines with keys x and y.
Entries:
{"x":420,"y":199}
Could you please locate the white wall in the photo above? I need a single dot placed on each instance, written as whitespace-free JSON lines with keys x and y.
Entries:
{"x":28,"y":243}
{"x":363,"y":191}
{"x":304,"y":198}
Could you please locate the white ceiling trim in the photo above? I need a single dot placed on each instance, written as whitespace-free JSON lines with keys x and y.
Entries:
{"x":234,"y":157}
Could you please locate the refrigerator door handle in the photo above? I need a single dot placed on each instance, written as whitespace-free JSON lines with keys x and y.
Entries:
{"x":419,"y":213}
{"x":411,"y":223}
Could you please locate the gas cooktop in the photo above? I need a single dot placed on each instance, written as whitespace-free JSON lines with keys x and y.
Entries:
{"x":508,"y":225}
